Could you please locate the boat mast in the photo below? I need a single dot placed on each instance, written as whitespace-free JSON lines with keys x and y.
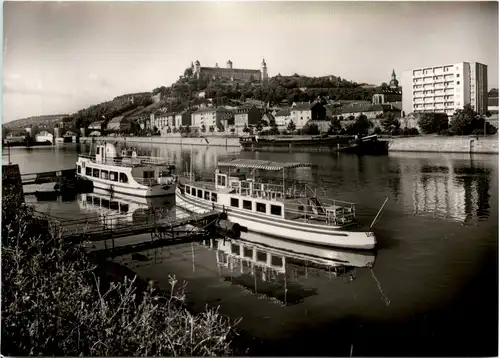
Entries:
{"x":284,"y":189}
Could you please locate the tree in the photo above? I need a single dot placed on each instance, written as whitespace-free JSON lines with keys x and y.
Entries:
{"x":362,"y":125}
{"x":211,"y":129}
{"x":233,"y":130}
{"x":169,"y":130}
{"x":390,"y":123}
{"x":335,"y":126}
{"x":221,"y":128}
{"x":156,"y":131}
{"x":203,"y":129}
{"x":274,"y":127}
{"x":467,"y":121}
{"x":246,"y":129}
{"x":310,"y":129}
{"x":291,"y":126}
{"x":175,"y":130}
{"x":432,"y":122}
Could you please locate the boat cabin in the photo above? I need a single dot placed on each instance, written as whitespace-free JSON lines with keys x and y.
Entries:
{"x":237,"y":185}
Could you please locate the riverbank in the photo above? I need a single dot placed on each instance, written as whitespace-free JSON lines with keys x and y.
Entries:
{"x":440,"y":144}
{"x":432,"y":143}
{"x":215,"y":140}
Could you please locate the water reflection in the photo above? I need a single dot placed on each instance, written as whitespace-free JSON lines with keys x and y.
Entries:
{"x":274,"y":268}
{"x":456,"y":190}
{"x":115,"y":209}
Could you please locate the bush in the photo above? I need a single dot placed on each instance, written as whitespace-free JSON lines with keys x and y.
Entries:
{"x":414,"y":131}
{"x":377,"y":130}
{"x":433,"y":122}
{"x":55,"y":303}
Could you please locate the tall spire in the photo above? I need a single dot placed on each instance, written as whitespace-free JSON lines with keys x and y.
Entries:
{"x":393,"y":74}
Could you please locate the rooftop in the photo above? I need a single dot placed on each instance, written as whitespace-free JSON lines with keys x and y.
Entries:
{"x":262,"y":164}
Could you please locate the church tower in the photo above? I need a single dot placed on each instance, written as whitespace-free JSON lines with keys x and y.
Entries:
{"x":394,"y":84}
{"x":263,"y":71}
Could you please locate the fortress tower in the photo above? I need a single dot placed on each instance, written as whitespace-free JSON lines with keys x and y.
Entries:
{"x":263,"y":70}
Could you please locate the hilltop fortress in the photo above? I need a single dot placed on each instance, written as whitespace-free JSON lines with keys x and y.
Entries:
{"x":229,"y":72}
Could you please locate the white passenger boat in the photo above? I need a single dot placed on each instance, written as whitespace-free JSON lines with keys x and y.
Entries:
{"x":127,"y":173}
{"x":294,"y":212}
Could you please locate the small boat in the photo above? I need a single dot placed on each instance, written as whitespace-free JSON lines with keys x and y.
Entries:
{"x":292,"y":212}
{"x":369,"y":145}
{"x":127,"y":173}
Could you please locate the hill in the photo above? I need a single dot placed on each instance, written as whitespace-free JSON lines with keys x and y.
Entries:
{"x":188,"y":92}
{"x":41,"y":121}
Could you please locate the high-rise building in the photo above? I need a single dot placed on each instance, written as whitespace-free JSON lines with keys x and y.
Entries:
{"x":446,"y":88}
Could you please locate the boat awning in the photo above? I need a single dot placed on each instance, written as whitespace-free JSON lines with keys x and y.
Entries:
{"x":262,"y":164}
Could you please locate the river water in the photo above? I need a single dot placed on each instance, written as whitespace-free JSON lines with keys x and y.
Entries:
{"x":431,"y":290}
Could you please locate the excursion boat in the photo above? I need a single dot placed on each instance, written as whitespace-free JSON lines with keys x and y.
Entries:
{"x":291,"y":212}
{"x":127,"y":173}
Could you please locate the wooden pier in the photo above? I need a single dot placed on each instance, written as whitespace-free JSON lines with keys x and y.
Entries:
{"x":48,"y":177}
{"x":85,"y":230}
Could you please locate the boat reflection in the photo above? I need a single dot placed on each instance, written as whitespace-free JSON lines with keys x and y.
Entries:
{"x":272,"y":267}
{"x":113,"y":209}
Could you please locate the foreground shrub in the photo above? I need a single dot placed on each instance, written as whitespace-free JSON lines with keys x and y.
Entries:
{"x":55,"y":303}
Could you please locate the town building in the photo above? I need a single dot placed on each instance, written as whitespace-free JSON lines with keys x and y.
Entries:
{"x":283,"y":118}
{"x":212,"y":117}
{"x":119,"y":124}
{"x":371,"y":111}
{"x":446,"y":88}
{"x":183,"y":118}
{"x":246,"y":115}
{"x":229,"y":72}
{"x":493,"y":105}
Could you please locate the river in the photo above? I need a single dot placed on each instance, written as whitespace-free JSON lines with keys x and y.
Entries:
{"x":433,"y":287}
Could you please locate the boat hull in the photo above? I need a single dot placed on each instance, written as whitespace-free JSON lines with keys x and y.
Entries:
{"x":286,"y":229}
{"x":140,"y":191}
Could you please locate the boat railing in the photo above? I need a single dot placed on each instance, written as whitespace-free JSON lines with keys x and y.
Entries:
{"x":315,"y":209}
{"x":128,"y":161}
{"x":147,"y":181}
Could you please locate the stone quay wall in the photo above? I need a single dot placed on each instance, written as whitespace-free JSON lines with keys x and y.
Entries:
{"x":217,"y":141}
{"x":467,"y":144}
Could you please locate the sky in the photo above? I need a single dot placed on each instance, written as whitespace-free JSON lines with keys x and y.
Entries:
{"x":59,"y":57}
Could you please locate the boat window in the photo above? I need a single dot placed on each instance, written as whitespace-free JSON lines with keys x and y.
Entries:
{"x":105,"y":203}
{"x":148,"y":174}
{"x":95,"y":173}
{"x":200,"y":193}
{"x":123,"y":178}
{"x":78,"y":169}
{"x":188,"y":189}
{"x":276,"y":261}
{"x":261,"y":256}
{"x":98,"y":150}
{"x":261,"y":207}
{"x":88,"y":171}
{"x":214,"y":197}
{"x":114,"y":205}
{"x":247,"y":204}
{"x":123,"y":208}
{"x":247,"y":252}
{"x":193,"y":191}
{"x":235,"y":249}
{"x":89,"y":199}
{"x":235,"y":202}
{"x":207,"y":195}
{"x":104,"y":174}
{"x":96,"y":201}
{"x":113,"y":176}
{"x":276,"y":210}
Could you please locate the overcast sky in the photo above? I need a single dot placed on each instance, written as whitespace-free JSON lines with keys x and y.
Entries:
{"x":62,"y":56}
